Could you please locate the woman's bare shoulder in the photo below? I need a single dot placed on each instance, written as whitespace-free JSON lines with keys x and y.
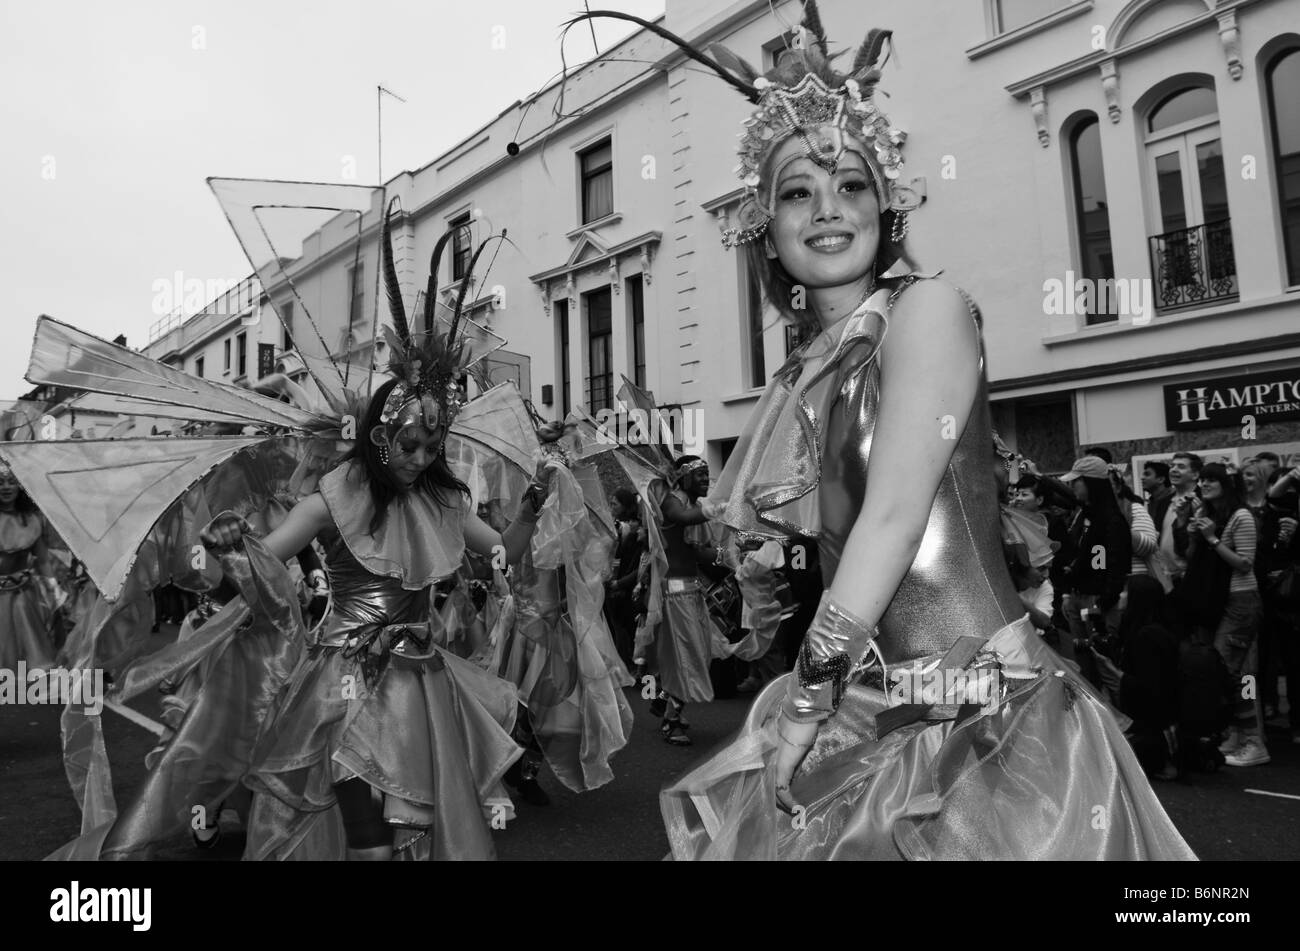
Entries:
{"x":933,"y":297}
{"x":929,"y":313}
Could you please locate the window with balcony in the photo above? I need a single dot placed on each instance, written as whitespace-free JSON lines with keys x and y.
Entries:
{"x":462,"y":247}
{"x":1091,"y":212}
{"x":596,"y":168}
{"x":1283,"y":80}
{"x":1192,"y":262}
{"x":636,"y":303}
{"x":600,"y":351}
{"x":1009,"y":15}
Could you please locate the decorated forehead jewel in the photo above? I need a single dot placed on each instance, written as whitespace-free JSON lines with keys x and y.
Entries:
{"x":829,"y":112}
{"x":691,"y":466}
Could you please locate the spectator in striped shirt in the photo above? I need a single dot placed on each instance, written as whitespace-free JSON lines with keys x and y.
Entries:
{"x":1142,"y":529}
{"x":1227,"y":528}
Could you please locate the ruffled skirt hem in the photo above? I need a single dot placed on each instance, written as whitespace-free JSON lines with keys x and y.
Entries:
{"x":432,"y":735}
{"x":1047,"y":775}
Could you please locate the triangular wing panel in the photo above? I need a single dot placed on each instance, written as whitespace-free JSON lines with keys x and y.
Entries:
{"x":104,"y":496}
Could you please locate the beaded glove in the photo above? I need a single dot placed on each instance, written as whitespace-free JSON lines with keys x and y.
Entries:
{"x":836,"y":642}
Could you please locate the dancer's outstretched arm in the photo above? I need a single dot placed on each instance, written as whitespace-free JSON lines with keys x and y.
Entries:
{"x":482,"y":538}
{"x":302,"y":524}
{"x":929,"y":375}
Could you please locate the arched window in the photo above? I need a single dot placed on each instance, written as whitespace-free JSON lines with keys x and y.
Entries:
{"x":1192,"y":259}
{"x":1283,"y":80}
{"x":1091,"y":211}
{"x":1183,"y":106}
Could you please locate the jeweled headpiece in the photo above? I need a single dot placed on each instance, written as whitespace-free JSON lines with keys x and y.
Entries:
{"x":804,"y":96}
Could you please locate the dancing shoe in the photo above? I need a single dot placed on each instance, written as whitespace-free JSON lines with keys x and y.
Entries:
{"x":530,"y":791}
{"x":674,"y":732}
{"x":1251,"y":753}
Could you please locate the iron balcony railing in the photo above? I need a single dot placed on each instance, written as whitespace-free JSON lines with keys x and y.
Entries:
{"x":1194,"y":266}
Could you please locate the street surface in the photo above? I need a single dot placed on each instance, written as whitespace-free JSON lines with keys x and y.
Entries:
{"x":1216,"y":813}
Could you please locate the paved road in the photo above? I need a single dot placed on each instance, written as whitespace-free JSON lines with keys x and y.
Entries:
{"x":620,"y":821}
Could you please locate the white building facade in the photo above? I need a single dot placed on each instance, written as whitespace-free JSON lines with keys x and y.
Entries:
{"x":1117,"y":184}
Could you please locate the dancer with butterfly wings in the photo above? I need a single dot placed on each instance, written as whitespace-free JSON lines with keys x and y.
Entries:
{"x":362,"y":738}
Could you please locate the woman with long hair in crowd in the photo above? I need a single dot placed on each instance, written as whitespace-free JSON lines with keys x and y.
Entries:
{"x":1100,"y":552}
{"x":1223,"y":532}
{"x":874,"y":439}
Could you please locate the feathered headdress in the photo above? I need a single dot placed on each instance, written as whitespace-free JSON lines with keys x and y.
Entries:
{"x":430,"y":364}
{"x":800,"y":97}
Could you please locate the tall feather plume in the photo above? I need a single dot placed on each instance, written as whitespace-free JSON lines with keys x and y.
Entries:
{"x":813,"y":21}
{"x":460,"y":298}
{"x":745,"y":88}
{"x":870,"y":50}
{"x":431,"y":289}
{"x":395,"y":305}
{"x":734,"y":63}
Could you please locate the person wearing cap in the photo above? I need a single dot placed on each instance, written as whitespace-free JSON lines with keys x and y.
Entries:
{"x":1095,"y":578}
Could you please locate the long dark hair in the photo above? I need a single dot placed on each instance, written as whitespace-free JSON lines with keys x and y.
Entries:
{"x":779,"y":287}
{"x":1231,"y":497}
{"x":438,"y":479}
{"x":1102,"y":506}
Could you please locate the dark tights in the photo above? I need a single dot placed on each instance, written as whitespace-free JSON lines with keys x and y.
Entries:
{"x":363,"y":815}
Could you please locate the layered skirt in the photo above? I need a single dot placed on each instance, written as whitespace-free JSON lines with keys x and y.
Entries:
{"x":1048,"y":774}
{"x":431,"y":735}
{"x":26,"y":618}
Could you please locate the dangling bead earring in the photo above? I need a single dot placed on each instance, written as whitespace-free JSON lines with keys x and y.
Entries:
{"x":383,"y":453}
{"x":899,"y":230}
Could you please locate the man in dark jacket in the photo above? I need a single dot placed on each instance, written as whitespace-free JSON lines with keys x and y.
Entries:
{"x":1159,"y":493}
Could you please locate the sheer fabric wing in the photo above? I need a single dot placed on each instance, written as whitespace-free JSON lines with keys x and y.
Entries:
{"x":132,"y":482}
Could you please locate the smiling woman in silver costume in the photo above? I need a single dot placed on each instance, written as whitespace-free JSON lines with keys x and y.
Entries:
{"x":874,"y":438}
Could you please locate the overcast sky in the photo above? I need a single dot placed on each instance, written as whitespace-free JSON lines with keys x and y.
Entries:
{"x":114,"y":114}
